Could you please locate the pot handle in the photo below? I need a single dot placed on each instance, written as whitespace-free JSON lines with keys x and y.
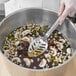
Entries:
{"x":73,"y":19}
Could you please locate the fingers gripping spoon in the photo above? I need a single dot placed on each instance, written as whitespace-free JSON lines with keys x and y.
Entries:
{"x":41,"y":42}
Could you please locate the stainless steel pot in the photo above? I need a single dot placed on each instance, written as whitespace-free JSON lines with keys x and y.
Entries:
{"x":37,"y":16}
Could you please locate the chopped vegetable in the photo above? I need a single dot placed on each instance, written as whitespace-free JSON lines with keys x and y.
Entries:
{"x":17,"y":42}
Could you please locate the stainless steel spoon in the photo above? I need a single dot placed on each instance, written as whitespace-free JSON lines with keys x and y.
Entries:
{"x":41,"y":42}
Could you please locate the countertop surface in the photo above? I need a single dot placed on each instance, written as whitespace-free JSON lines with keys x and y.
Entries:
{"x":71,"y":69}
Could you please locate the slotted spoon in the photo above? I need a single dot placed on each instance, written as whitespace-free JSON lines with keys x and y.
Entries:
{"x":41,"y":42}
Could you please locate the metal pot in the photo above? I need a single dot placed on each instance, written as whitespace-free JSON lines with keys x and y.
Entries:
{"x":37,"y":16}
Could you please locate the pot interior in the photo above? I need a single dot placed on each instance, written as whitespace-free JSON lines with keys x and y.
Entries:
{"x":36,"y":16}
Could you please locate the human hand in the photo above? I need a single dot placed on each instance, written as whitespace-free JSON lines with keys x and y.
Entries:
{"x":68,"y":7}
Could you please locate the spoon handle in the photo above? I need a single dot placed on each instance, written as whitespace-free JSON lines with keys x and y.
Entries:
{"x":54,"y":26}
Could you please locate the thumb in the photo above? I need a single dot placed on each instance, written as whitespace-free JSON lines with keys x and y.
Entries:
{"x":62,"y":7}
{"x":64,"y":15}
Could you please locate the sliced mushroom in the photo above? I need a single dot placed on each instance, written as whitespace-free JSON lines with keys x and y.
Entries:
{"x":26,"y":39}
{"x":53,"y":51}
{"x":29,"y":39}
{"x":59,"y":60}
{"x":59,"y":45}
{"x":68,"y":50}
{"x":32,"y":60}
{"x":26,"y":32}
{"x":27,"y":61}
{"x":62,"y":40}
{"x":16,"y":53}
{"x":17,"y":43}
{"x":59,"y":32}
{"x":16,"y":35}
{"x":16,"y":60}
{"x":42,"y":63}
{"x":47,"y":55}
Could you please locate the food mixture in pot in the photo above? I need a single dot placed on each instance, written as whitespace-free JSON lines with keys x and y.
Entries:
{"x":16,"y":45}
